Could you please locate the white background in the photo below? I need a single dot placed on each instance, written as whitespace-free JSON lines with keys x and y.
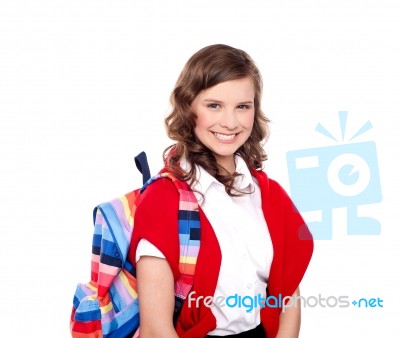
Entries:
{"x":84,"y":87}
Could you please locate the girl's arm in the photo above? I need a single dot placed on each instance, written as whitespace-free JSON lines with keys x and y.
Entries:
{"x":155,"y":284}
{"x":289,"y":321}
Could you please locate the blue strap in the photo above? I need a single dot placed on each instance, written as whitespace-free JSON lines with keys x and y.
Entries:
{"x":143,"y":166}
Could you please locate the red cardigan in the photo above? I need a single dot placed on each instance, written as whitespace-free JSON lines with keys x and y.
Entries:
{"x":156,"y":219}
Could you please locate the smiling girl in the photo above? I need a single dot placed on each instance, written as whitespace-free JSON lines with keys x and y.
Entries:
{"x":254,"y":242}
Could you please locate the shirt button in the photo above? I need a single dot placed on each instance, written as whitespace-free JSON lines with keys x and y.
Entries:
{"x":249,"y":286}
{"x":235,"y":230}
{"x":244,"y":256}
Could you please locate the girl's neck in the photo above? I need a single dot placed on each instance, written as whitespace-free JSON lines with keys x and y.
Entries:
{"x":228,"y":164}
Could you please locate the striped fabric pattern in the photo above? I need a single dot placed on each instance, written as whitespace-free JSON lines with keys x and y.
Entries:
{"x":108,"y":305}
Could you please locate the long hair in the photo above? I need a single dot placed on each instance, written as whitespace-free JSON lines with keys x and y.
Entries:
{"x":208,"y":67}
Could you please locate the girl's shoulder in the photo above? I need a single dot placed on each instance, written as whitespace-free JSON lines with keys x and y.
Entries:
{"x":160,"y":189}
{"x":270,"y":187}
{"x":264,"y":181}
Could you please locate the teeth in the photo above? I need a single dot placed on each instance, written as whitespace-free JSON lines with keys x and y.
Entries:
{"x":225,"y":137}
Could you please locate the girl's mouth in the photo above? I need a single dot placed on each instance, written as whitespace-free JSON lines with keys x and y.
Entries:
{"x":225,"y":137}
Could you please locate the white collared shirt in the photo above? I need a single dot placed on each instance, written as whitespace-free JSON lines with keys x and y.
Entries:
{"x":245,"y":244}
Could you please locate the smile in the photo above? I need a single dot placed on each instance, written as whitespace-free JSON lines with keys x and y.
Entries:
{"x":225,"y":137}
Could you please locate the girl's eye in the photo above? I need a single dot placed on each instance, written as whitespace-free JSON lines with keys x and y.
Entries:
{"x":213,"y":105}
{"x":243,"y":106}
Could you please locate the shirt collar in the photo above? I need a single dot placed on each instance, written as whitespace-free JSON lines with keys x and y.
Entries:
{"x":204,"y":180}
{"x":246,"y":180}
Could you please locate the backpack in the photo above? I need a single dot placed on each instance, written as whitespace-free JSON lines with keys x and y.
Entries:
{"x":108,"y":306}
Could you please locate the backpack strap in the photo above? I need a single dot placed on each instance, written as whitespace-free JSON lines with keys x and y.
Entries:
{"x":189,"y":238}
{"x":143,"y":166}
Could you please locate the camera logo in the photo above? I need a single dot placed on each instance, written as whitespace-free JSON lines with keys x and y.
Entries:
{"x":343,"y":175}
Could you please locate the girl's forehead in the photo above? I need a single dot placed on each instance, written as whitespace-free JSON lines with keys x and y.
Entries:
{"x":240,"y":89}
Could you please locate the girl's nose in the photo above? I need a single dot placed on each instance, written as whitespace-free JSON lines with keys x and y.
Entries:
{"x":228,"y":120}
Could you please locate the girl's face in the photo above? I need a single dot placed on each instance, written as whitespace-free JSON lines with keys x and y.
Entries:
{"x":225,"y":117}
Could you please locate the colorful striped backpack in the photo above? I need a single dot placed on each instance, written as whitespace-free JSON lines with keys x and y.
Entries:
{"x":108,"y":305}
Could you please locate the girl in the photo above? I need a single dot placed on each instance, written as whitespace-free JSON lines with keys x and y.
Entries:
{"x":255,"y":247}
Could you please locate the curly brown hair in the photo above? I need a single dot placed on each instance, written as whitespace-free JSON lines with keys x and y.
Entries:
{"x":208,"y":67}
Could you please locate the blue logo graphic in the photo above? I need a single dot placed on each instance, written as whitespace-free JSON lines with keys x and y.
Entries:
{"x":343,"y":175}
